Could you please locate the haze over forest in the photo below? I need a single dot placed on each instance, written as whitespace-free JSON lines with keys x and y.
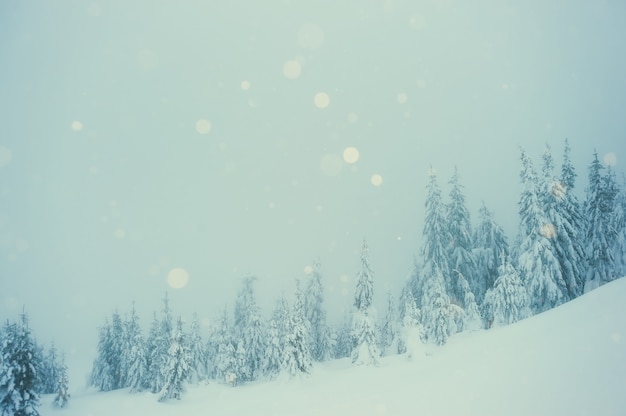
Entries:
{"x":251,"y":138}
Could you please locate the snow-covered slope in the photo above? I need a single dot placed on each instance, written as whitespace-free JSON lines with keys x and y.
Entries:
{"x":568,"y":361}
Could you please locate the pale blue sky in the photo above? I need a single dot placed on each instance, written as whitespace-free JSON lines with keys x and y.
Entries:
{"x":106,"y":183}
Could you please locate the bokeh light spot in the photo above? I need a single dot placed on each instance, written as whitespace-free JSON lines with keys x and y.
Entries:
{"x":308,"y":270}
{"x":376,"y":180}
{"x":120,"y":233}
{"x":351,"y":154}
{"x":177,"y":278}
{"x":77,"y":125}
{"x":402,"y":98}
{"x":292,"y":69}
{"x":353,"y":118}
{"x":610,"y":159}
{"x":203,"y":126}
{"x":558,"y":190}
{"x":245,"y":85}
{"x":321,"y":100}
{"x":331,"y":165}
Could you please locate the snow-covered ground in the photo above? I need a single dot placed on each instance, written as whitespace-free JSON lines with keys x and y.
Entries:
{"x":568,"y":361}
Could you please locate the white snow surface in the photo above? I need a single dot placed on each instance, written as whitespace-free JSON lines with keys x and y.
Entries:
{"x":570,"y":360}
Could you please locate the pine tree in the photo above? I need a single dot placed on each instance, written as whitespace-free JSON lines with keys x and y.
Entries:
{"x":177,"y":367}
{"x":151,"y":345}
{"x":102,"y":373}
{"x":538,"y":263}
{"x":297,"y":358}
{"x":49,"y":371}
{"x":600,"y":235}
{"x":159,"y":350}
{"x":411,"y":330}
{"x":61,"y":389}
{"x":489,"y":242}
{"x":436,"y":238}
{"x":250,"y":330}
{"x":224,"y":361}
{"x":571,"y":239}
{"x":18,"y":376}
{"x":343,"y":337}
{"x":277,"y":329}
{"x":198,"y":353}
{"x":436,"y":317}
{"x":564,"y":235}
{"x":507,"y":302}
{"x":365,"y":345}
{"x":389,"y":332}
{"x":462,"y":264}
{"x":319,"y":342}
{"x":619,"y":224}
{"x":133,"y":353}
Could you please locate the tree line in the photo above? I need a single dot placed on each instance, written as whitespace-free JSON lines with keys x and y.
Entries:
{"x":466,"y":278}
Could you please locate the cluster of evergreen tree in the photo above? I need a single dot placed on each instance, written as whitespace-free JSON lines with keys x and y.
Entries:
{"x":27,"y":371}
{"x":465,"y":278}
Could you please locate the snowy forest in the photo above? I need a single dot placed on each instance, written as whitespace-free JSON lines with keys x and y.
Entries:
{"x":467,"y":276}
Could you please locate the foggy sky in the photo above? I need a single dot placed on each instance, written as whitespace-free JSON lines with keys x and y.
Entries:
{"x":142,"y":136}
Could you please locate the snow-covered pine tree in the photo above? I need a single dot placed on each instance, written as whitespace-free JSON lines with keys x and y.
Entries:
{"x":198,"y":365}
{"x":150,"y":348}
{"x":600,"y":235}
{"x":538,"y":263}
{"x":507,"y":302}
{"x":61,"y":389}
{"x":435,"y":252}
{"x":102,"y":376}
{"x":159,"y":354}
{"x":489,"y":242}
{"x":471,"y":319}
{"x":365,"y":346}
{"x":133,"y":353}
{"x":571,"y":239}
{"x":462,"y":264}
{"x":49,"y":371}
{"x":276,"y":331}
{"x":18,"y":376}
{"x":436,"y":317}
{"x":296,"y":354}
{"x":178,"y":365}
{"x":319,"y":340}
{"x":410,"y":334}
{"x":224,"y":356}
{"x":390,"y":330}
{"x":114,"y":351}
{"x":551,"y":196}
{"x":619,"y":223}
{"x":250,"y":331}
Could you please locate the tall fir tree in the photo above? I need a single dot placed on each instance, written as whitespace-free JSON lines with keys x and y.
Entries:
{"x":159,"y":348}
{"x":572,"y":236}
{"x":133,"y":353}
{"x":390,"y":329}
{"x":18,"y":375}
{"x":538,"y":263}
{"x":410,"y":334}
{"x":297,"y":357}
{"x":102,"y":373}
{"x":365,"y":346}
{"x":600,"y":235}
{"x":489,"y":243}
{"x":198,"y":366}
{"x":250,"y":331}
{"x":319,"y":340}
{"x":178,"y":365}
{"x":436,"y":316}
{"x":276,"y":334}
{"x":507,"y":302}
{"x":564,"y":235}
{"x":435,"y":236}
{"x":462,"y":264}
{"x":224,"y":357}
